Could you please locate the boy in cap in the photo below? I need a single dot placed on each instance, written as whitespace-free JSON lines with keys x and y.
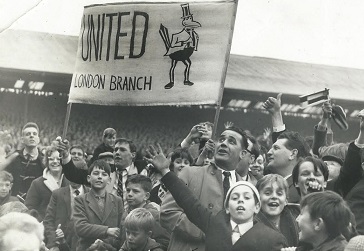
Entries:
{"x":232,"y":228}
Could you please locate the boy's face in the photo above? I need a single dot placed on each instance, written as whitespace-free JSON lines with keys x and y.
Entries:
{"x":98,"y":178}
{"x":306,"y":225}
{"x":5,"y":187}
{"x":137,"y":239}
{"x":273,"y":199}
{"x":307,"y":173}
{"x":136,"y":196}
{"x":241,"y":205}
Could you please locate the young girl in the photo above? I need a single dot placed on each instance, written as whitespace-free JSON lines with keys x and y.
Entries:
{"x":179,"y":159}
{"x":232,"y":228}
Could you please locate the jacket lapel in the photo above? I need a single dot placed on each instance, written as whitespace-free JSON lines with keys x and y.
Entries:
{"x":109,"y":206}
{"x":67,"y":199}
{"x":93,"y":205}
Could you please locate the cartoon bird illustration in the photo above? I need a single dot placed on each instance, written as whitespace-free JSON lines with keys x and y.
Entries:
{"x":181,"y":46}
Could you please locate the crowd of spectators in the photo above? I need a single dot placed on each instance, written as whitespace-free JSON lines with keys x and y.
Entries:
{"x":259,"y":189}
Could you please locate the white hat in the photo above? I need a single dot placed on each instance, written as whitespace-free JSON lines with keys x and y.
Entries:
{"x":241,"y":183}
{"x":355,"y":244}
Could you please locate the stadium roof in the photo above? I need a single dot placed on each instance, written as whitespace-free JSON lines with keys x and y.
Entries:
{"x":51,"y":58}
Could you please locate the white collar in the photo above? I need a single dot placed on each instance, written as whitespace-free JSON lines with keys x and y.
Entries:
{"x":243,"y":227}
{"x":288,"y":176}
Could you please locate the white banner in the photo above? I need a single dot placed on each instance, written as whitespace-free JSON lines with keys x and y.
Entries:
{"x":153,"y":53}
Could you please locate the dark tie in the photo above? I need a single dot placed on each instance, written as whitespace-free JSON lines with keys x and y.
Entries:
{"x":120,"y":184}
{"x":77,"y":192}
{"x":226,"y":182}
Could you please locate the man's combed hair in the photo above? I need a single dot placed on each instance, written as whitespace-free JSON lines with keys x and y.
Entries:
{"x":132,"y":146}
{"x":144,"y":181}
{"x":296,"y":141}
{"x":332,"y":208}
{"x":244,"y":142}
{"x":30,"y":124}
{"x":101,"y":164}
{"x":139,"y":219}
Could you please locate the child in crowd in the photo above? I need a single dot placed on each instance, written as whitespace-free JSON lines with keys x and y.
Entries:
{"x":139,"y":227}
{"x":179,"y":159}
{"x":232,"y":228}
{"x":138,"y":189}
{"x":275,"y":211}
{"x":324,"y":216}
{"x":107,"y":145}
{"x":98,"y":213}
{"x":310,"y":175}
{"x":6,"y":182}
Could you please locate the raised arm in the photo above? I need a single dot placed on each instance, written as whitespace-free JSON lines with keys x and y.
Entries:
{"x":321,"y":129}
{"x":193,"y":136}
{"x":351,"y":171}
{"x":71,"y":172}
{"x":192,"y":207}
{"x":273,"y":106}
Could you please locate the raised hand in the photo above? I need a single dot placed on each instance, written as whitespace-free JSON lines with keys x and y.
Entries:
{"x":266,"y":133}
{"x":327,"y":109}
{"x":158,"y":159}
{"x":63,"y":146}
{"x":273,"y":105}
{"x":209,"y":149}
{"x":228,"y":124}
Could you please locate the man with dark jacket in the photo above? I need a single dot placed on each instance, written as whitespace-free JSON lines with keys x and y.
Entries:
{"x":26,"y":164}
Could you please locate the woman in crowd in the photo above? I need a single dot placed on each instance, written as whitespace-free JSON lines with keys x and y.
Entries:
{"x":40,"y":190}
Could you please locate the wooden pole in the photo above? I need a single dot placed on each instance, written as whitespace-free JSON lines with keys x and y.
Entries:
{"x":65,"y":127}
{"x":223,"y":77}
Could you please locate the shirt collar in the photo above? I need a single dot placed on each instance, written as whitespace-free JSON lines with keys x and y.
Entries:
{"x":232,"y":176}
{"x":127,"y":169}
{"x":80,"y":189}
{"x":243,"y":227}
{"x":288,"y":176}
{"x":98,"y":196}
{"x":33,"y":155}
